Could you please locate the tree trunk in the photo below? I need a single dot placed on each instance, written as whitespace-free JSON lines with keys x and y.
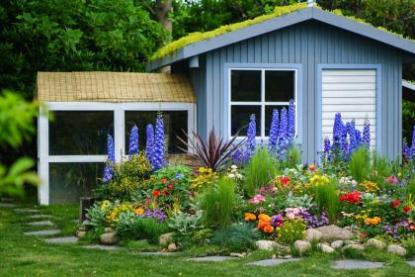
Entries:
{"x":163,"y":8}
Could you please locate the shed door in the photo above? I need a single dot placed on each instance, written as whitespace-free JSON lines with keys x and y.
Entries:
{"x":351,"y":93}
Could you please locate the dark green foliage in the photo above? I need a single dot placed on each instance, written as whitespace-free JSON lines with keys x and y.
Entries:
{"x":261,"y":169}
{"x":327,"y":199}
{"x":238,"y":237}
{"x":293,"y":157}
{"x":360,"y":165}
{"x":381,"y":166}
{"x":410,"y":188}
{"x":218,"y":203}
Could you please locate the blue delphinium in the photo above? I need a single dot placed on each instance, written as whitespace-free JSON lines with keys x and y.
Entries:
{"x":149,"y":142}
{"x":366,"y":134}
{"x":283,"y":138}
{"x":133,"y":147}
{"x":291,"y":120}
{"x":327,"y":149}
{"x":412,"y":149}
{"x":251,"y":137}
{"x":406,"y":151}
{"x":337,"y":130}
{"x":108,"y":171}
{"x":158,"y":154}
{"x":274,"y":130}
{"x":353,"y":136}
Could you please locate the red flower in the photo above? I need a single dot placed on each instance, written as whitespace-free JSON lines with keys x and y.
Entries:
{"x":407,"y":209}
{"x":395,"y":203}
{"x":284,"y":180}
{"x":312,"y":167}
{"x":351,"y":197}
{"x":156,"y":193}
{"x":165,"y":192}
{"x":163,"y":181}
{"x":170,"y":186}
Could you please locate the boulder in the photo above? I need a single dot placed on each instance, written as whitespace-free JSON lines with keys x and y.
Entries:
{"x":333,"y":232}
{"x":397,"y":250}
{"x":267,"y":245}
{"x":375,"y":243}
{"x":81,"y":234}
{"x":166,"y":239}
{"x":172,"y":247}
{"x":337,"y":244}
{"x":325,"y":248}
{"x":302,"y":246}
{"x":312,"y":235}
{"x":109,"y":238}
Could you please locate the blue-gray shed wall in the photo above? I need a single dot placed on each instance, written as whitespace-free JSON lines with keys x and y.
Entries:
{"x":308,"y":44}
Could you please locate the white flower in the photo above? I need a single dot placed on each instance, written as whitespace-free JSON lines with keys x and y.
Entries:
{"x":234,"y":167}
{"x":231,"y":175}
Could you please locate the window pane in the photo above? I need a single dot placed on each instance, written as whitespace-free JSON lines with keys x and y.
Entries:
{"x":70,"y":181}
{"x":246,"y":85}
{"x":240,"y":118}
{"x":279,"y":86}
{"x":80,"y":132}
{"x":174,"y":123}
{"x":268,"y":116}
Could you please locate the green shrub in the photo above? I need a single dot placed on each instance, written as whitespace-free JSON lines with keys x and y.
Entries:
{"x":410,"y":188}
{"x":293,"y":157}
{"x":409,"y":244}
{"x":381,"y":166}
{"x":291,"y":231}
{"x":184,"y":224}
{"x":327,"y":199}
{"x":238,"y":237}
{"x":218,"y":202}
{"x":261,"y":169}
{"x":359,"y":164}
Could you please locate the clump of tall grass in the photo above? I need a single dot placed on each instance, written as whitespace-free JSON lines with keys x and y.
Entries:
{"x":217,"y":203}
{"x":293,"y":157}
{"x":327,"y":199}
{"x":359,"y":164}
{"x":381,"y":166}
{"x":261,"y":169}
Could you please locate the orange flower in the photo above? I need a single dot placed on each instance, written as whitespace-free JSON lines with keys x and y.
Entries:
{"x":373,"y":221}
{"x":139,"y":211}
{"x":250,"y":217}
{"x":312,"y":167}
{"x":264,"y":217}
{"x":268,"y":229}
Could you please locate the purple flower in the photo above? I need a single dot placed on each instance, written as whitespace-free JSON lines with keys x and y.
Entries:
{"x":133,"y":147}
{"x":283,"y":125}
{"x":156,"y":214}
{"x":291,"y":120}
{"x":337,"y":130}
{"x":149,"y":142}
{"x":406,"y":151}
{"x":158,"y":154}
{"x":412,"y":149}
{"x":108,"y":171}
{"x":251,"y":135}
{"x":366,"y":134}
{"x":277,"y":220}
{"x":327,"y":149}
{"x":274,"y":130}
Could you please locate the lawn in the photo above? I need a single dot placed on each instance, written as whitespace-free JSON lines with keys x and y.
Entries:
{"x":27,"y":256}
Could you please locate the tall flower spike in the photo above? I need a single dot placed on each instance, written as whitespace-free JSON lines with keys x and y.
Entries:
{"x":291,"y":120}
{"x":352,"y":135}
{"x":274,"y":130}
{"x":251,"y":136}
{"x":337,"y":129}
{"x":366,"y":134}
{"x":158,"y":161}
{"x":149,"y":142}
{"x":284,"y":124}
{"x":406,"y":151}
{"x":133,"y":147}
{"x":412,"y":148}
{"x":108,"y":171}
{"x":327,"y":148}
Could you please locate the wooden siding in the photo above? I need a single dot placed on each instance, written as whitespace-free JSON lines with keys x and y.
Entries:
{"x":309,"y":44}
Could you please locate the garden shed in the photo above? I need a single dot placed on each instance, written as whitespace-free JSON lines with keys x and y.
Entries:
{"x":87,"y":106}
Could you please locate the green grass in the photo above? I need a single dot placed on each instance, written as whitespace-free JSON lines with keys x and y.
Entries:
{"x":28,"y":256}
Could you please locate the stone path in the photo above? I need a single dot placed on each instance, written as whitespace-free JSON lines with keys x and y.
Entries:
{"x":102,"y":247}
{"x":41,"y":223}
{"x":156,"y":253}
{"x":411,"y":263}
{"x":7,"y":205}
{"x":356,"y":264}
{"x":43,"y":233}
{"x":26,"y":210}
{"x":39,"y":216}
{"x":274,"y":262}
{"x":62,"y":240}
{"x":211,"y":259}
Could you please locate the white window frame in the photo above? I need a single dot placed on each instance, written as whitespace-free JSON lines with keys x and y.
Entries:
{"x":118,"y":110}
{"x":262,"y":103}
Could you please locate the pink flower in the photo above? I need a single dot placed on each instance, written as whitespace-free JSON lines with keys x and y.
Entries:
{"x":392,"y":180}
{"x":292,"y":213}
{"x":257,"y":199}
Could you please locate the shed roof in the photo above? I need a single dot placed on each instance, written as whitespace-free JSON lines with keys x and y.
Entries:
{"x":205,"y":42}
{"x":113,"y":87}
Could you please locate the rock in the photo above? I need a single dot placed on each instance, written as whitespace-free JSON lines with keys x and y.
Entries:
{"x":238,"y":255}
{"x":355,"y":246}
{"x":397,"y":250}
{"x":267,"y":245}
{"x":313,"y":235}
{"x":108,"y":230}
{"x":325,"y":248}
{"x":81,"y":234}
{"x":375,"y":243}
{"x":287,"y":257}
{"x":333,"y":232}
{"x":172,"y":247}
{"x":109,"y":238}
{"x":337,"y":244}
{"x":166,"y":239}
{"x":302,"y":246}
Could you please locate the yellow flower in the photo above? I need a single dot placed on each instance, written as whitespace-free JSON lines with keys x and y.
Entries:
{"x":319,"y":180}
{"x":370,"y":186}
{"x":250,"y":217}
{"x":105,"y":205}
{"x":139,"y":211}
{"x":373,"y":221}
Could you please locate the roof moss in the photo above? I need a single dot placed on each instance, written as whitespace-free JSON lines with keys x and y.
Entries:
{"x":200,"y":36}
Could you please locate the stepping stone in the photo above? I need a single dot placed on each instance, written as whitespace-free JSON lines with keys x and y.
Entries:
{"x":40,"y":216}
{"x":356,"y":264}
{"x":43,"y":233}
{"x":211,"y":259}
{"x":5,"y":199}
{"x":62,"y":240}
{"x":41,"y":223}
{"x":274,"y":262}
{"x":102,"y":247}
{"x":411,"y":263}
{"x":156,"y":253}
{"x":7,"y":205}
{"x":26,"y":210}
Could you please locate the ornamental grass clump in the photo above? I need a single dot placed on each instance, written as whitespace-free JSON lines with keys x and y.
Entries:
{"x":327,"y":199}
{"x":238,"y":237}
{"x":260,"y":171}
{"x":217,"y":204}
{"x":360,"y":164}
